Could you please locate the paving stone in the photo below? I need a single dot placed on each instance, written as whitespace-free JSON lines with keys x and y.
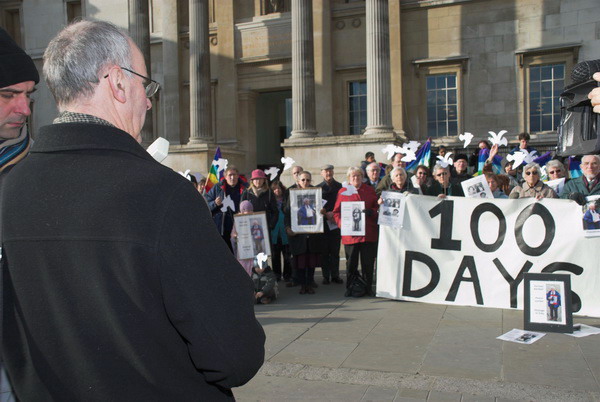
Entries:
{"x":380,"y":394}
{"x":315,"y":352}
{"x":439,"y":396}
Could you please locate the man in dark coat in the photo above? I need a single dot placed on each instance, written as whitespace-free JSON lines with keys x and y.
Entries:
{"x":587,"y":184}
{"x":18,"y":77}
{"x":233,"y":188}
{"x":113,"y":291}
{"x":330,"y":258}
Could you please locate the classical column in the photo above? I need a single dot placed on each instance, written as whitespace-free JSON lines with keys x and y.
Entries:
{"x":170,"y":85}
{"x":200,"y":91}
{"x":303,"y":80}
{"x":379,"y":101}
{"x":139,"y":30}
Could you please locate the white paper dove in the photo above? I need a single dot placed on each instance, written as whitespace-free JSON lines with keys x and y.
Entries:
{"x":261,"y":258}
{"x":390,"y":150}
{"x":287,"y":162}
{"x":272,"y":172}
{"x":518,"y":158}
{"x":544,"y":172}
{"x":409,"y":155}
{"x":186,"y":174}
{"x":445,"y":161}
{"x":228,"y":204}
{"x":411,"y":146}
{"x":221,"y":165}
{"x":466,"y":137}
{"x":498,"y":138}
{"x":350,"y":189}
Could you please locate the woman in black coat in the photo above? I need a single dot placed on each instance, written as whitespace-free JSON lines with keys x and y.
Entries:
{"x":306,"y":249}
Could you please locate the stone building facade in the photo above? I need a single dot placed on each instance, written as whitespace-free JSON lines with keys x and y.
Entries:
{"x":327,"y":80}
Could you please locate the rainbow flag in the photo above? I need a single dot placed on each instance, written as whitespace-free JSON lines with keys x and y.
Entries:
{"x":573,"y":166}
{"x":214,"y":176}
{"x":423,"y":155}
{"x":484,"y":154}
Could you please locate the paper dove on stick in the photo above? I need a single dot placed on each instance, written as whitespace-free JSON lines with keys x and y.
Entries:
{"x":221,"y":165}
{"x":517,"y":158}
{"x":466,"y":137}
{"x":350,"y":189}
{"x":498,"y":138}
{"x":186,"y":174}
{"x":409,"y":155}
{"x":411,"y":146}
{"x":228,"y":204}
{"x":261,"y":258}
{"x":287,"y":162}
{"x":445,"y":161}
{"x":390,"y":150}
{"x":272,"y":172}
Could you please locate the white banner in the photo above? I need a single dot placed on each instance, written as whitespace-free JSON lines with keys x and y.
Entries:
{"x":474,"y":252}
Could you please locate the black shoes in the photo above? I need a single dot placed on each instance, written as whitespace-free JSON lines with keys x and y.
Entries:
{"x":337,"y":280}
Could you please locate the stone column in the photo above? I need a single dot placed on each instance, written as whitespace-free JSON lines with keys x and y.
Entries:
{"x":247,"y":124}
{"x":170,"y":85}
{"x":323,"y":66}
{"x":303,"y":80}
{"x":139,"y":30}
{"x":200,"y":91}
{"x":379,"y":103}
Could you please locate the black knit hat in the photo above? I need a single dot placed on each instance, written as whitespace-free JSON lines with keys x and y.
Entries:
{"x":15,"y":65}
{"x":461,"y":156}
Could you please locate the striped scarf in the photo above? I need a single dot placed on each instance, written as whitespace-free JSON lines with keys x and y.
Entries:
{"x":12,"y":151}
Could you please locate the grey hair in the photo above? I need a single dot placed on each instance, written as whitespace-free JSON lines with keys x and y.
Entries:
{"x":595,"y":156}
{"x":77,"y":56}
{"x":534,"y":166}
{"x":437,"y":167}
{"x":354,"y":169}
{"x":398,"y":169}
{"x":556,"y":164}
{"x":373,"y":165}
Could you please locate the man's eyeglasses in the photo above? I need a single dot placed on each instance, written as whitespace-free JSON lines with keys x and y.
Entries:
{"x":534,"y":172}
{"x":554,"y":172}
{"x":442,"y":174}
{"x":150,"y":85}
{"x":304,"y":179}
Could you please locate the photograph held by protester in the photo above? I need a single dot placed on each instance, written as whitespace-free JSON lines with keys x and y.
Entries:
{"x":120,"y":290}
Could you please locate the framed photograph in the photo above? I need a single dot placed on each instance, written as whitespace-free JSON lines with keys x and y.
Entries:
{"x":548,"y":303}
{"x":591,"y":216}
{"x":391,"y":212}
{"x":353,"y":218}
{"x":477,"y":187}
{"x":305,"y":210}
{"x":252,"y":234}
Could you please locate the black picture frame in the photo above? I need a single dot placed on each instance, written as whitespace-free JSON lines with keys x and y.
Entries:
{"x":539,"y":314}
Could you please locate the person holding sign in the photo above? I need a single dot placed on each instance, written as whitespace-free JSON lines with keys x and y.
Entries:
{"x":442,"y":186}
{"x":306,"y":249}
{"x":363,"y":247}
{"x":533,"y":186}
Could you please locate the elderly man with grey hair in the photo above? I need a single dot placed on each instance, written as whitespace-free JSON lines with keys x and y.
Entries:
{"x":442,"y":186}
{"x":587,"y":184}
{"x":533,"y":185}
{"x":373,"y":169}
{"x":112,"y":291}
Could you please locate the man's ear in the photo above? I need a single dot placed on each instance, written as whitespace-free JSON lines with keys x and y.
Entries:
{"x":117,"y":82}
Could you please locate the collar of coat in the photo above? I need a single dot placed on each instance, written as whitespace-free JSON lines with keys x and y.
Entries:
{"x":538,"y":186}
{"x":78,"y":136}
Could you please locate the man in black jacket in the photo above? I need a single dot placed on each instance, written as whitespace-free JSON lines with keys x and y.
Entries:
{"x":330,"y":258}
{"x":117,"y":285}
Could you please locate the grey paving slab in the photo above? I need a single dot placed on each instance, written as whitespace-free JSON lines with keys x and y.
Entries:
{"x":315,"y":352}
{"x":476,"y":398}
{"x":439,"y":396}
{"x":380,"y":394}
{"x":536,"y":363}
{"x":263,"y":388}
{"x":335,"y":328}
{"x":415,"y":394}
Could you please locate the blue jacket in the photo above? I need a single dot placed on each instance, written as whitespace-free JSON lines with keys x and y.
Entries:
{"x":223,"y":190}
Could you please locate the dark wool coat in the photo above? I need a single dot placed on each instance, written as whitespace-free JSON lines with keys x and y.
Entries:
{"x":117,"y":286}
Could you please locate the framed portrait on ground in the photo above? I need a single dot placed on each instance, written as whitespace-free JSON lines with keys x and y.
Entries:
{"x":548,"y":303}
{"x":353,"y":218}
{"x":252,"y":234}
{"x":305,"y":210}
{"x":391,"y":212}
{"x":477,"y":187}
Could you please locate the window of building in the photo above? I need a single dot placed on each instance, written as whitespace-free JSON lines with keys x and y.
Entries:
{"x":11,"y":22}
{"x":74,"y":10}
{"x":546,"y":82}
{"x":357,"y":106}
{"x":275,"y":6}
{"x":442,"y":105}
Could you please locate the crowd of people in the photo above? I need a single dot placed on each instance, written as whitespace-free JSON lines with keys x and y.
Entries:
{"x":296,"y":255}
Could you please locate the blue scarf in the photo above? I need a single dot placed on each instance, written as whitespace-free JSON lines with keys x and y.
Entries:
{"x":12,"y":151}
